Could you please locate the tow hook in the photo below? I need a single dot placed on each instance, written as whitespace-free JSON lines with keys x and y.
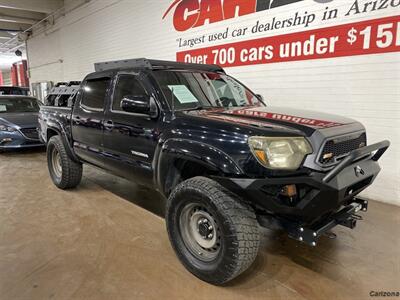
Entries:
{"x":350,"y":222}
{"x":346,"y":217}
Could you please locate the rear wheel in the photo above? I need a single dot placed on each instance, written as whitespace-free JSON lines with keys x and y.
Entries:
{"x":64,"y":172}
{"x":214,"y":234}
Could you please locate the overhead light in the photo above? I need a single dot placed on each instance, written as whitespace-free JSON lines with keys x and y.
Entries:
{"x":22,"y":36}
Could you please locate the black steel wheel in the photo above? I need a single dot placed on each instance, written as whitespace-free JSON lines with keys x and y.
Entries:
{"x":213,"y":232}
{"x":200,"y":231}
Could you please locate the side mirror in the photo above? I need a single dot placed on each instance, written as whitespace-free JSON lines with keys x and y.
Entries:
{"x":136,"y":104}
{"x":259,"y":96}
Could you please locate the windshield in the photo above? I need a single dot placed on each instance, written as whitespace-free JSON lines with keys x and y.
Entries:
{"x":18,"y":105}
{"x":201,"y":89}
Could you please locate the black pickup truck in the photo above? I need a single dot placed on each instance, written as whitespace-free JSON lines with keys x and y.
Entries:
{"x":226,"y":161}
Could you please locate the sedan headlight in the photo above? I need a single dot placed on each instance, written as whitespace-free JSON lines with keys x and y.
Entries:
{"x":6,"y":128}
{"x":285,"y":153}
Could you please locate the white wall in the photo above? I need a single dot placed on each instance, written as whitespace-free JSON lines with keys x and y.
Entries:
{"x":6,"y":77}
{"x":363,"y":87}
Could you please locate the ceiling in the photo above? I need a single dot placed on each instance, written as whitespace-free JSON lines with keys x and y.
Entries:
{"x":16,"y":18}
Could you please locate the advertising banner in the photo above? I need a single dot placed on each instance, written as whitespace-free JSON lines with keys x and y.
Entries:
{"x":252,"y":40}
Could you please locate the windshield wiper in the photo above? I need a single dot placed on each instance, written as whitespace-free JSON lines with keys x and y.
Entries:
{"x":198,"y":107}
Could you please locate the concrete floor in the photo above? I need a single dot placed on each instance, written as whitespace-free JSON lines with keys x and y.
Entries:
{"x":97,"y":242}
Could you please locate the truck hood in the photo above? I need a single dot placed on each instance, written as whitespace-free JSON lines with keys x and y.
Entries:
{"x":22,"y":120}
{"x":303,"y":120}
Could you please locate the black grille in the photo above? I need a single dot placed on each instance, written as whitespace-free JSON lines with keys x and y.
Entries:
{"x":30,"y":133}
{"x":337,"y":148}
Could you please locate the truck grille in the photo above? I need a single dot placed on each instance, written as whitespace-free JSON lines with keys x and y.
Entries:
{"x":30,"y":133}
{"x":337,"y":148}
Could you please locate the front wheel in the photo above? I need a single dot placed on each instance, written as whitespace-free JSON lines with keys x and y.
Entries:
{"x":214,"y":234}
{"x":64,"y":172}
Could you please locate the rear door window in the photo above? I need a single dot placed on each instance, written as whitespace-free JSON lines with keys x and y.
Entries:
{"x":94,"y":93}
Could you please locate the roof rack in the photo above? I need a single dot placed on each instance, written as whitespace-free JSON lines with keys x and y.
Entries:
{"x":150,"y":64}
{"x":65,"y":83}
{"x":64,"y":89}
{"x":72,"y":83}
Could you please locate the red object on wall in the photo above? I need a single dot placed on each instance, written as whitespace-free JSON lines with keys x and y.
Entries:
{"x":22,"y":72}
{"x":1,"y":78}
{"x":14,"y":75}
{"x":19,"y":74}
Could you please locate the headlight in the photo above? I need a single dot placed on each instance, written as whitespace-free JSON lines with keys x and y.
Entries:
{"x":284,"y":153}
{"x":6,"y":128}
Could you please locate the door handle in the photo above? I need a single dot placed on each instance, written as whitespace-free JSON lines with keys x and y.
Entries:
{"x":109,"y":125}
{"x":76,"y":119}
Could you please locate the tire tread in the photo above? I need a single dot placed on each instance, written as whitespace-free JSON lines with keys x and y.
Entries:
{"x":241,"y":220}
{"x":71,"y":170}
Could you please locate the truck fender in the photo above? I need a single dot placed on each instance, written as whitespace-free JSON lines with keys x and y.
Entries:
{"x":53,"y":126}
{"x":210,"y":157}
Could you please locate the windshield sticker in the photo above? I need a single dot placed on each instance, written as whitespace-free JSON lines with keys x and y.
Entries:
{"x":239,"y":90}
{"x":3,"y":107}
{"x":183,"y":94}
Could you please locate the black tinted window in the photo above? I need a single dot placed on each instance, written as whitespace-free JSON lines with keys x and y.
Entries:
{"x":8,"y":90}
{"x":126,"y":85}
{"x":94,"y":93}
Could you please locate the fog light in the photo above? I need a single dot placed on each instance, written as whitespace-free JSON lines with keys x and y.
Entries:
{"x":289,"y":190}
{"x":6,"y":140}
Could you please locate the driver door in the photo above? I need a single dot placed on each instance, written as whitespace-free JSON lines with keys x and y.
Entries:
{"x":130,"y":139}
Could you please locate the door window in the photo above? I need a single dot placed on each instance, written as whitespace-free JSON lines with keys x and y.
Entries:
{"x":94,"y":93}
{"x":126,"y":85}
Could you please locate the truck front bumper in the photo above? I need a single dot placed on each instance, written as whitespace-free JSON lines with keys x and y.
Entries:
{"x":328,"y":198}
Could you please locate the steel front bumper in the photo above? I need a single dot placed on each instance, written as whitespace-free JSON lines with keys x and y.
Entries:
{"x":16,"y":140}
{"x":330,"y":198}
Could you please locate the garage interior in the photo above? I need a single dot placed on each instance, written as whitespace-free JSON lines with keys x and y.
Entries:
{"x":107,"y":238}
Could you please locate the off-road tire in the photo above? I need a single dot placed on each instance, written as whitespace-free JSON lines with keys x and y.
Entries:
{"x":71,"y":171}
{"x":239,"y":229}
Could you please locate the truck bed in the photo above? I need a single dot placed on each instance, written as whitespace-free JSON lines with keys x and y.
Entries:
{"x":58,"y":117}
